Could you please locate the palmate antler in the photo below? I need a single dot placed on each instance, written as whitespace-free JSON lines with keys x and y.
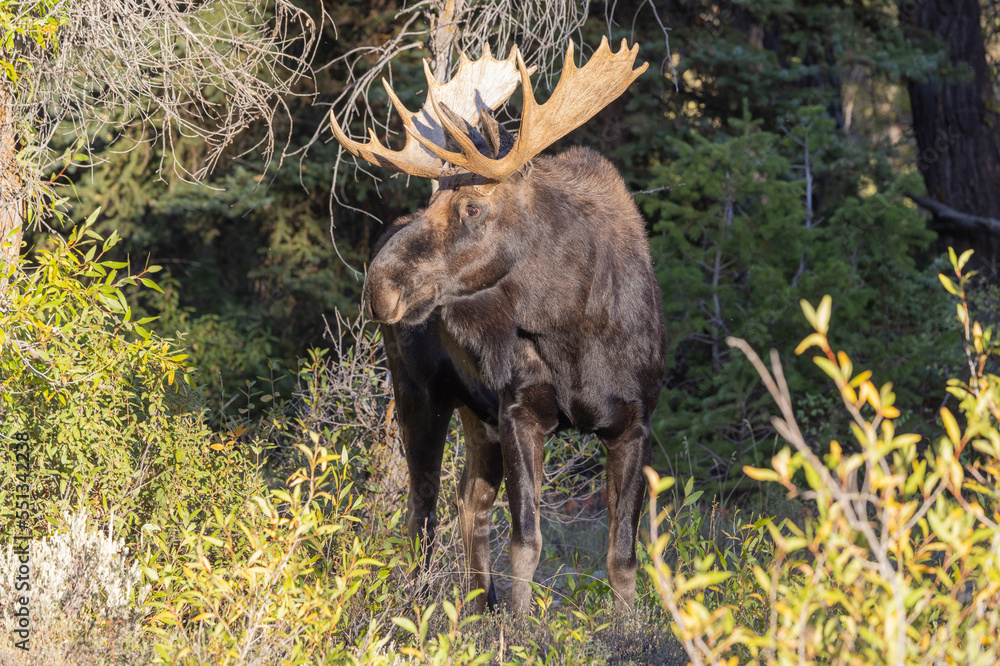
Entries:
{"x":483,"y":84}
{"x":580,"y":94}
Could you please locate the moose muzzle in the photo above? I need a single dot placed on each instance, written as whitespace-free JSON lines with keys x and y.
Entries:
{"x":383,"y":300}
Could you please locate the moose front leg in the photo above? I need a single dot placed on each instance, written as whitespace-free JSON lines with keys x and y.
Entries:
{"x":627,"y":455}
{"x":477,"y":491}
{"x":527,"y":417}
{"x":424,"y":428}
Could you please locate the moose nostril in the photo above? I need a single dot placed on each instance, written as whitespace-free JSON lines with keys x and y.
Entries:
{"x":393,"y":311}
{"x":384,"y":302}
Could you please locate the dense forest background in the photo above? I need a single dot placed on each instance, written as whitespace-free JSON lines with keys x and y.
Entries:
{"x":779,"y":151}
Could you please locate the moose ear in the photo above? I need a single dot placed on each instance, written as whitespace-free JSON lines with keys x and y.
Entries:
{"x":499,"y":140}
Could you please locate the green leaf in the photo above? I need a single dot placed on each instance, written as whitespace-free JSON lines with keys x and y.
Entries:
{"x":111,"y":242}
{"x":405,"y":624}
{"x":450,"y":611}
{"x":149,"y":283}
{"x":90,"y":220}
{"x":692,"y":498}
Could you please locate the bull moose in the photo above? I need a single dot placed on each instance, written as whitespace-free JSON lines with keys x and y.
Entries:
{"x":523,"y":295}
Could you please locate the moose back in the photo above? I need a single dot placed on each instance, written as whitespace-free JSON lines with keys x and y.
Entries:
{"x":523,"y":295}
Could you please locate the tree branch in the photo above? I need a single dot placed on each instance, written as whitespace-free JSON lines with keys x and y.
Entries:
{"x":955,"y":218}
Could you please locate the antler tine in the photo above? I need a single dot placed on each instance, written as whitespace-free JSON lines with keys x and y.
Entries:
{"x":410,"y":160}
{"x":580,"y":94}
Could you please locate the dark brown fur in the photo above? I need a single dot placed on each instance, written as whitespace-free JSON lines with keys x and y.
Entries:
{"x":540,"y":313}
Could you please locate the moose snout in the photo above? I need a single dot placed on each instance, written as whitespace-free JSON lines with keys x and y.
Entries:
{"x":383,"y":300}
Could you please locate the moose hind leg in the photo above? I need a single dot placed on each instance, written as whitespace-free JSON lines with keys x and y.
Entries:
{"x":627,"y":455}
{"x":477,"y":491}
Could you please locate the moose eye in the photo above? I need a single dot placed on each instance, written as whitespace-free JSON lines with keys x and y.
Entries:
{"x":471,"y":211}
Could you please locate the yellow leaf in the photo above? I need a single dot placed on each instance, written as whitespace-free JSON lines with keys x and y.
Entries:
{"x":948,"y":284}
{"x":951,"y":426}
{"x":164,"y":616}
{"x":658,"y":485}
{"x":870,"y":395}
{"x":907,"y":439}
{"x":827,"y":366}
{"x":758,"y":474}
{"x":835,"y":448}
{"x":845,"y":365}
{"x":823,"y":314}
{"x":888,"y":429}
{"x":217,"y":447}
{"x":809,"y":312}
{"x":810,"y":340}
{"x":860,"y":434}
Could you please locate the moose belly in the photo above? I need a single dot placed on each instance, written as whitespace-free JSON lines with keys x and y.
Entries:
{"x":587,"y":406}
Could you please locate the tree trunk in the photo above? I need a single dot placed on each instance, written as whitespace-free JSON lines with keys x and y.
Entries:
{"x":11,"y":199}
{"x":445,"y":24}
{"x":957,"y":129}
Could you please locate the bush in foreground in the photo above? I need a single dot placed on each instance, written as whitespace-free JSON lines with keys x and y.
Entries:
{"x":899,"y":561}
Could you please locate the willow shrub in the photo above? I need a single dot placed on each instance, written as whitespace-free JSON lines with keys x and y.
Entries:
{"x":270,"y":581}
{"x":899,"y":560}
{"x":110,"y":411}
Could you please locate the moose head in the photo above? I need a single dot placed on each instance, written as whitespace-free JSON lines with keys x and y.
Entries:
{"x":523,"y":296}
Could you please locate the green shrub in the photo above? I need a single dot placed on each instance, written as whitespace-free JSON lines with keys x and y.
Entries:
{"x":112,"y":412}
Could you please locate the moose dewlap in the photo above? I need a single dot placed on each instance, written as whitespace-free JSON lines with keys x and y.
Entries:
{"x":523,"y":295}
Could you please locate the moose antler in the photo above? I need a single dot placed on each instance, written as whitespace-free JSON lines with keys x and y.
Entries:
{"x":482,"y":84}
{"x":579,"y":95}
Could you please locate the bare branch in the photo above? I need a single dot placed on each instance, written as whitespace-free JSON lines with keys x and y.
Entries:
{"x":205,"y":71}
